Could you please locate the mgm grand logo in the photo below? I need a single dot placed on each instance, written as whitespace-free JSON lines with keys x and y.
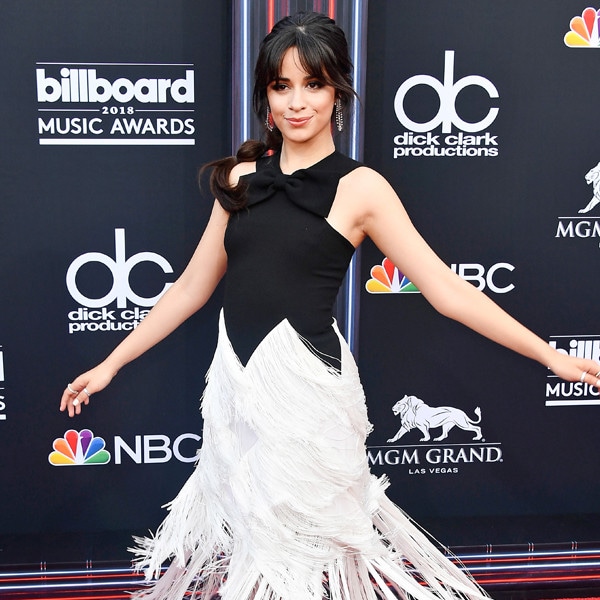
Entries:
{"x":429,"y":456}
{"x":584,"y":225}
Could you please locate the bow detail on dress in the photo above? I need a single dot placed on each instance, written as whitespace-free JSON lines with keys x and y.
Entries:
{"x":311,"y":189}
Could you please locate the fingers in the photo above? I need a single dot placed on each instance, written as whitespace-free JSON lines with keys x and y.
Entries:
{"x":74,"y":397}
{"x":591,"y":375}
{"x":571,"y":368}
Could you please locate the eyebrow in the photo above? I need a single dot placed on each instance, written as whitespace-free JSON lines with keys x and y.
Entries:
{"x":288,"y":79}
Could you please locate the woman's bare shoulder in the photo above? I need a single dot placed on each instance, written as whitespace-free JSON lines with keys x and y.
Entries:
{"x":365,"y":182}
{"x":241,"y":169}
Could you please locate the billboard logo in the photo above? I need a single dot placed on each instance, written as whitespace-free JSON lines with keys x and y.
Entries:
{"x":584,"y":30}
{"x":2,"y":397}
{"x":78,"y":448}
{"x":115,"y":104}
{"x":418,"y":139}
{"x":82,"y":85}
{"x":120,"y":267}
{"x":388,"y":279}
{"x":568,"y":393}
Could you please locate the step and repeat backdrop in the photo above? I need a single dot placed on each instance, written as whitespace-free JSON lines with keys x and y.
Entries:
{"x":108,"y":110}
{"x":483,"y":116}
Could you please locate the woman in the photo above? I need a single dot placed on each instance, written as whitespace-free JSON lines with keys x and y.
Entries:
{"x":281,"y":503}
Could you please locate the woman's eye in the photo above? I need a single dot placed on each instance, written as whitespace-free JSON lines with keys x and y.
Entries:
{"x":278,"y":87}
{"x":313,"y":85}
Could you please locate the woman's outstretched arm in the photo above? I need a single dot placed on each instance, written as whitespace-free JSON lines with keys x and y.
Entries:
{"x":384,"y":220}
{"x":187,"y":295}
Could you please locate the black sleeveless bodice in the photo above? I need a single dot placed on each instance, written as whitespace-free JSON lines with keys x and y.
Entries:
{"x":284,"y":259}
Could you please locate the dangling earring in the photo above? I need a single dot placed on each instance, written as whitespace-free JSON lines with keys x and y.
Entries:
{"x":269,"y":123}
{"x":339,"y":115}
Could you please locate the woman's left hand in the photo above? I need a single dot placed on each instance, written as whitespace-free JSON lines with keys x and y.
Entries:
{"x":572,"y":368}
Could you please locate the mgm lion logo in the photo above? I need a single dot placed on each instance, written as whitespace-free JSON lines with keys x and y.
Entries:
{"x":593,"y":177}
{"x":414,"y":413}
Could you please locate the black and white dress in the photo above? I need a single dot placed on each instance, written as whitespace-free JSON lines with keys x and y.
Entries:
{"x":281,"y":504}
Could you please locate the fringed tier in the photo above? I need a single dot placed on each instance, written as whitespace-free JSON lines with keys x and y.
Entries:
{"x":281,"y":504}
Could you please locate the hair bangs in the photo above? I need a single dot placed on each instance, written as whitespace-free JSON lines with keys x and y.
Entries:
{"x":314,"y":58}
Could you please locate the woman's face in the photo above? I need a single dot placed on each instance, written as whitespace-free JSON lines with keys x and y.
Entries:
{"x":301,"y":104}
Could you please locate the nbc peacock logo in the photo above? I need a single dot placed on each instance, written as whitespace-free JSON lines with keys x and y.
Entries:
{"x":584,"y":30}
{"x":386,"y":278}
{"x":78,"y":448}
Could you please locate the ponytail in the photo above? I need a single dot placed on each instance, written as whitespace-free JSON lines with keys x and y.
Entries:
{"x":233,"y":198}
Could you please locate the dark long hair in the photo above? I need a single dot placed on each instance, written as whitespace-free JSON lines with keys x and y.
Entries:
{"x":323,"y":53}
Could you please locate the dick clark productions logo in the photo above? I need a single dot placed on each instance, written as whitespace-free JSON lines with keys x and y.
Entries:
{"x":419,"y":140}
{"x":93,"y":314}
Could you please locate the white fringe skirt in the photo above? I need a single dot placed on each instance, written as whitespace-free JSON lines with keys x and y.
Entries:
{"x":281,"y":504}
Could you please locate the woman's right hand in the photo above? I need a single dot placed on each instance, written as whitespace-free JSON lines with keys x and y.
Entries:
{"x":79,"y":391}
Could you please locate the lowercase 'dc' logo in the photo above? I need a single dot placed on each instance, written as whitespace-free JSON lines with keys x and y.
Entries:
{"x":456,"y":138}
{"x":584,"y":30}
{"x":78,"y":448}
